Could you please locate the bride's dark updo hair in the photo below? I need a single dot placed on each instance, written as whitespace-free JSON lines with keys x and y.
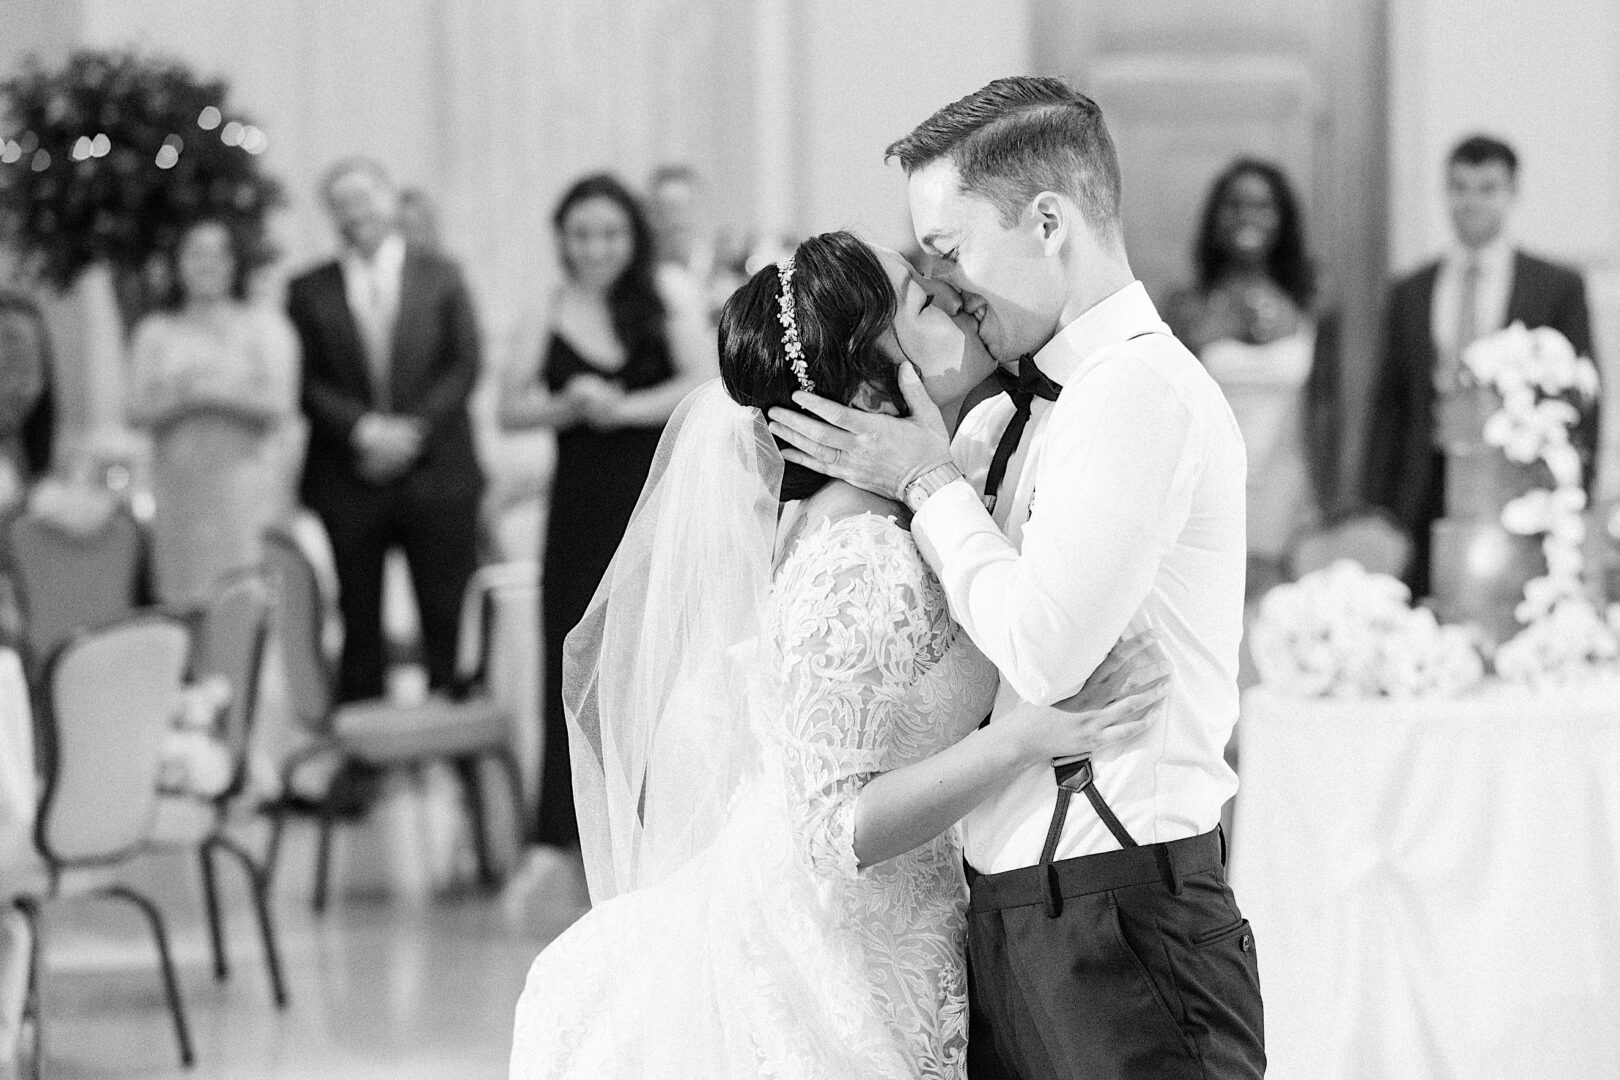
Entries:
{"x":844,"y":303}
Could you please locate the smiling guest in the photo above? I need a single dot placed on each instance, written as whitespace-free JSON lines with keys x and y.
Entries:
{"x":1481,"y":285}
{"x":211,"y":378}
{"x":390,"y":357}
{"x":616,"y":348}
{"x":1251,"y":318}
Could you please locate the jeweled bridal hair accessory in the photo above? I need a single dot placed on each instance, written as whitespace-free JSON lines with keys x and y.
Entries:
{"x":787,"y":313}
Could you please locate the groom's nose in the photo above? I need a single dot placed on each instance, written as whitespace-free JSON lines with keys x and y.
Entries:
{"x":945,"y":297}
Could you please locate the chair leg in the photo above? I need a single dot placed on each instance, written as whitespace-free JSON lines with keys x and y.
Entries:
{"x":154,"y":917}
{"x":272,"y":847}
{"x":31,"y":1030}
{"x":472,"y":786}
{"x":323,"y":850}
{"x":259,"y":885}
{"x":216,"y":921}
{"x":514,"y":784}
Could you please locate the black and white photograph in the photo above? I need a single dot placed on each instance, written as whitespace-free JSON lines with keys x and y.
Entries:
{"x":809,"y":539}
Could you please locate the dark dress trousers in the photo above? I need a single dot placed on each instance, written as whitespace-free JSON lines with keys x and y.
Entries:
{"x":431,"y":512}
{"x":1404,"y":473}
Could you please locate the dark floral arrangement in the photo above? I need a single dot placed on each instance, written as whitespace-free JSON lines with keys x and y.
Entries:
{"x":110,"y":156}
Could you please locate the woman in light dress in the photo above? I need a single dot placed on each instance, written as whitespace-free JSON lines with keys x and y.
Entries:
{"x":1251,"y":319}
{"x":776,"y":724}
{"x":215,"y":381}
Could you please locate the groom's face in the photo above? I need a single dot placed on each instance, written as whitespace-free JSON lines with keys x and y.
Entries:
{"x":1004,"y":274}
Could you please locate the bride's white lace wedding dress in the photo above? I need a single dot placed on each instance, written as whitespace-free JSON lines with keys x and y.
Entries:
{"x":771,"y":954}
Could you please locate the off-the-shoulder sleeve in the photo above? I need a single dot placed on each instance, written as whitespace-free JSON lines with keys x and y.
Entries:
{"x":854,"y":630}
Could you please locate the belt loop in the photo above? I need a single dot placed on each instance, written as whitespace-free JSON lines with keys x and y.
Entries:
{"x":1220,"y":830}
{"x":1054,"y":898}
{"x":1167,"y":867}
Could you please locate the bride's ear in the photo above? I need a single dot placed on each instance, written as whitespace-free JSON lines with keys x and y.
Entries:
{"x":873,"y":400}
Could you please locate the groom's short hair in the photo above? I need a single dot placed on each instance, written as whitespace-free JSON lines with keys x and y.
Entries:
{"x":1020,"y":136}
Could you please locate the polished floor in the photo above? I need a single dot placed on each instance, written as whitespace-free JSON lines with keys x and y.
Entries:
{"x":389,"y":984}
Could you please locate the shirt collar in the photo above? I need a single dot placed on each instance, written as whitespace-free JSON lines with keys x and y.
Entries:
{"x":390,"y":256}
{"x":1118,"y":317}
{"x":1494,"y":257}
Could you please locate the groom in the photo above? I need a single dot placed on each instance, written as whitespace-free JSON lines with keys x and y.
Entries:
{"x":1107,"y":483}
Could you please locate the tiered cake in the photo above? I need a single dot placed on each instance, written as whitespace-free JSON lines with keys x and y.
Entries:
{"x":1477,"y":569}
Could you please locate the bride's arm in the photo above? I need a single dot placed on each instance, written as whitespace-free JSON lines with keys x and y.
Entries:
{"x":908,"y":807}
{"x":851,"y":648}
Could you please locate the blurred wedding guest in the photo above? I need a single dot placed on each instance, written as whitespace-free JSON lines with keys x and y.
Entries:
{"x":686,"y":238}
{"x":27,"y":403}
{"x":1483,"y":283}
{"x":390,"y":357}
{"x":419,"y":219}
{"x":612,"y":354}
{"x":212,"y":378}
{"x":1252,"y":320}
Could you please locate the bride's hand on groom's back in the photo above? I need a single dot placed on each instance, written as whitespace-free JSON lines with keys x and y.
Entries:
{"x":1120,"y":701}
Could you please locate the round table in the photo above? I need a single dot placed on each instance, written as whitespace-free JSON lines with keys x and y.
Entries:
{"x":1434,"y":886}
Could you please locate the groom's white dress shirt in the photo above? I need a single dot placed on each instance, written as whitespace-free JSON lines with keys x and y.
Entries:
{"x":1124,"y":501}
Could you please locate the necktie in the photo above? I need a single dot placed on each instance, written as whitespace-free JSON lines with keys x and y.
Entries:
{"x":375,"y":328}
{"x":1023,"y":388}
{"x":1467,"y":324}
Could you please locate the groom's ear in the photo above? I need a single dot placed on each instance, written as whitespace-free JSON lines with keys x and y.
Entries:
{"x":1050,"y":218}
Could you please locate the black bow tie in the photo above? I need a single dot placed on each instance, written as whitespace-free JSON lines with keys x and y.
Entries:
{"x":1023,"y":388}
{"x":1028,"y":384}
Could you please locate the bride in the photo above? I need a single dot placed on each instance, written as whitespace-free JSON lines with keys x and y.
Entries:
{"x":775,"y":726}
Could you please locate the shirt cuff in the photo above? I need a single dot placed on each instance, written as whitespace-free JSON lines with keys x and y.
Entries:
{"x":946,"y":519}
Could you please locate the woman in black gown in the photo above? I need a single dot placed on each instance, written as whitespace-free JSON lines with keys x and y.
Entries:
{"x":619,"y":349}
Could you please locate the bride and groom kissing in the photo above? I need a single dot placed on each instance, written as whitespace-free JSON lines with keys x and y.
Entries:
{"x":811,"y":853}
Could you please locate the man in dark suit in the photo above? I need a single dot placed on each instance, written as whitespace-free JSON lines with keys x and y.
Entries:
{"x":390,"y":357}
{"x":1483,"y":284}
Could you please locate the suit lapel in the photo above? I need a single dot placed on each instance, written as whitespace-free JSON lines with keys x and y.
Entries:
{"x":1519,"y":292}
{"x":1423,"y":311}
{"x":351,"y":347}
{"x":408,"y":331}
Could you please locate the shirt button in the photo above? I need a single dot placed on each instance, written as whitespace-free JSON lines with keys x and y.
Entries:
{"x":1247,"y":944}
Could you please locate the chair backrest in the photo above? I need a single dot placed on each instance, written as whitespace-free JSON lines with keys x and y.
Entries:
{"x":110,"y":696}
{"x":233,"y":630}
{"x":70,"y":581}
{"x":19,"y":789}
{"x":475,"y":631}
{"x":300,"y":620}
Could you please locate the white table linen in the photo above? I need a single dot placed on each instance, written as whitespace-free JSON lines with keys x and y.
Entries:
{"x":1435,"y":886}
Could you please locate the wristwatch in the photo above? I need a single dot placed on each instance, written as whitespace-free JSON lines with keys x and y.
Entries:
{"x":928,"y":482}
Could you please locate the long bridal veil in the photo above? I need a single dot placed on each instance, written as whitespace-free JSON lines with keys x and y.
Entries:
{"x":659,"y":676}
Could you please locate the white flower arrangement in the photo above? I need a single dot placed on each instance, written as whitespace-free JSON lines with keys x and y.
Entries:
{"x":1564,"y":634}
{"x":1570,"y":643}
{"x":1343,"y":632}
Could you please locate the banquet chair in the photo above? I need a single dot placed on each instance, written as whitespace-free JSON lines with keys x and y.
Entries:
{"x":107,"y":699}
{"x":233,"y":630}
{"x":67,"y":580}
{"x":462,"y":726}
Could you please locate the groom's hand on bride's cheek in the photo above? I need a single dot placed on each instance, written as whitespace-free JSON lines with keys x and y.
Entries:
{"x":870,"y":450}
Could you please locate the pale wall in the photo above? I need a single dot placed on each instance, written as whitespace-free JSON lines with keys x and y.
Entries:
{"x":1546,"y":77}
{"x":871,"y":72}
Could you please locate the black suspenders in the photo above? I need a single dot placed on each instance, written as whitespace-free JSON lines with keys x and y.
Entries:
{"x":1071,"y":776}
